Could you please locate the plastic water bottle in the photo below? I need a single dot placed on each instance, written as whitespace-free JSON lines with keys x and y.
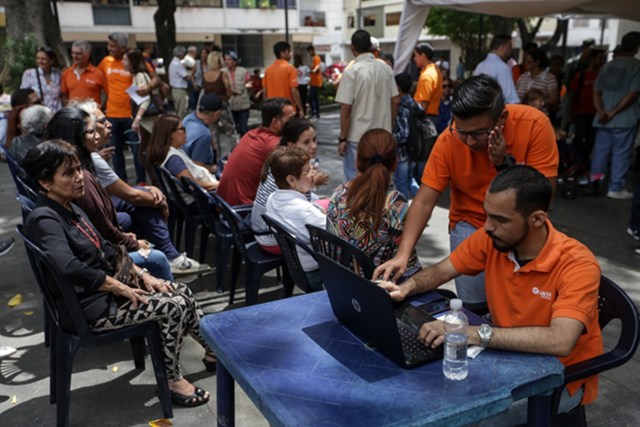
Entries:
{"x":455,"y":365}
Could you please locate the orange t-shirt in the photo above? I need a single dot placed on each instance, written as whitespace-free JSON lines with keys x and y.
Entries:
{"x":562,"y":281}
{"x":279,"y":78}
{"x":118,"y":80}
{"x":429,"y":88}
{"x":316,"y":78}
{"x":530,"y":139}
{"x":90,"y":84}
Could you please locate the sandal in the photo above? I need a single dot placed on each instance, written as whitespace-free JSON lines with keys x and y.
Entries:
{"x":198,"y":398}
{"x":209,"y":365}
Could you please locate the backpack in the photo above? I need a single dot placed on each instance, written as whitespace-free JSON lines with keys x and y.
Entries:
{"x":422,"y":135}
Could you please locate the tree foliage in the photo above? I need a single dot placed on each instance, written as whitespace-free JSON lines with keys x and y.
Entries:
{"x":469,"y":31}
{"x":21,"y":50}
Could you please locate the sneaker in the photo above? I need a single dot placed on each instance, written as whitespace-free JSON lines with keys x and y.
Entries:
{"x":620,"y":195}
{"x":5,"y":351}
{"x":6,"y":245}
{"x":633,"y":233}
{"x":186,"y":265}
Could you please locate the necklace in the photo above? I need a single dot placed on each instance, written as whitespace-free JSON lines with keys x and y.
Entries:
{"x":89,"y":233}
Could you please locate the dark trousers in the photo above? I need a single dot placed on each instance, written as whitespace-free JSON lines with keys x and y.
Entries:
{"x":147,"y":223}
{"x":584,"y":139}
{"x":241,"y":119}
{"x":120,"y":134}
{"x":302,"y":89}
{"x":314,"y":100}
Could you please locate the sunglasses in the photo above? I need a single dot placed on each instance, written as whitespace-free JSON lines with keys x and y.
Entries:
{"x":45,"y":49}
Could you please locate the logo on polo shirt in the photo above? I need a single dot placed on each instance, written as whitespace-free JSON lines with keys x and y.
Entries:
{"x":541,"y":294}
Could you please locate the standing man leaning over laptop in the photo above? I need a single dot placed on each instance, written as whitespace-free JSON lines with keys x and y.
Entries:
{"x":542,"y":286}
{"x":485,"y":137}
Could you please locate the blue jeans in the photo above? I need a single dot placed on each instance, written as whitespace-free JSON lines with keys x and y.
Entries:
{"x":404,"y":180}
{"x":156,"y":263}
{"x":470,"y":289}
{"x":617,"y":143}
{"x":349,"y":162}
{"x":119,"y":140}
{"x":314,"y":100}
{"x":147,"y":223}
{"x":241,"y":119}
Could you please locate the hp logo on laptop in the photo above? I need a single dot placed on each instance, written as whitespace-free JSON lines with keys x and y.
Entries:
{"x":356,"y":305}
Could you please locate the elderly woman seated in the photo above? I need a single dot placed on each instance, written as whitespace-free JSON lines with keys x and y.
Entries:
{"x":112,"y":291}
{"x":33,"y":122}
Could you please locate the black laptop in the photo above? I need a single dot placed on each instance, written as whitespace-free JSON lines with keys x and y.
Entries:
{"x":366,"y":309}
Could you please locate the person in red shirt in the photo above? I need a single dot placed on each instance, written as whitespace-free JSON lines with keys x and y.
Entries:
{"x":82,"y":80}
{"x":281,"y":79}
{"x":241,"y":175}
{"x":542,"y":286}
{"x":582,"y":108}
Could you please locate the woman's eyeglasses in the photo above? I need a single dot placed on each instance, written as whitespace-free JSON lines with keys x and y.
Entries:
{"x":180,"y":129}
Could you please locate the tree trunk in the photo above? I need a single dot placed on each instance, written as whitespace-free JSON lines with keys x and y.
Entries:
{"x":528,"y":35}
{"x":39,"y":17}
{"x":562,"y":25}
{"x":165,"y":30}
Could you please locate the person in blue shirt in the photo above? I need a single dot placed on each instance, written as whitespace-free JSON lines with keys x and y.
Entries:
{"x":197,"y":123}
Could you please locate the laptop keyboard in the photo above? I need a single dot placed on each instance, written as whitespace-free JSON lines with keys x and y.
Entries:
{"x":414,"y":349}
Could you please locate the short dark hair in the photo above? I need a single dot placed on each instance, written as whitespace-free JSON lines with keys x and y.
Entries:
{"x":42,"y":161}
{"x":404,"y":82}
{"x":388,"y":57}
{"x":361,"y":41}
{"x":287,"y":161}
{"x":630,"y":42}
{"x":21,"y":97}
{"x":540,"y":56}
{"x":311,"y":48}
{"x":280,"y":47}
{"x":292,"y":130}
{"x":272,"y":108}
{"x":426,"y":49}
{"x":533,"y":190}
{"x":477,"y":96}
{"x":69,"y":124}
{"x":499,"y":40}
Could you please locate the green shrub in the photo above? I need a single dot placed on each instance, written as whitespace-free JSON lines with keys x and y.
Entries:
{"x":22,"y":51}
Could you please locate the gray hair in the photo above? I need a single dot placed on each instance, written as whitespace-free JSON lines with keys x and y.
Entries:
{"x":34,"y":119}
{"x":82,"y":44}
{"x":119,"y":38}
{"x":179,"y":51}
{"x":89,"y":106}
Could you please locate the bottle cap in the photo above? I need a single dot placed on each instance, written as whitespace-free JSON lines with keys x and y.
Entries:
{"x":455,"y":304}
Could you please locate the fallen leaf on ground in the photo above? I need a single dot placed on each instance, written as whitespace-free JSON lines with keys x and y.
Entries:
{"x":114,"y":369}
{"x":16,"y":300}
{"x":162,"y":422}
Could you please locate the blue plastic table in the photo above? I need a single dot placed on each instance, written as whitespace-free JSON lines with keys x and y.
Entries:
{"x":301,"y":367}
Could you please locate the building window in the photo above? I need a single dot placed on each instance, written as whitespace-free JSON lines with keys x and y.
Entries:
{"x":369,"y":21}
{"x":310,"y":18}
{"x":580,"y":23}
{"x":260,"y":4}
{"x":392,"y":18}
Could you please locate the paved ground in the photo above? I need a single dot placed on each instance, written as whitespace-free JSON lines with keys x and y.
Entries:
{"x":108,"y":391}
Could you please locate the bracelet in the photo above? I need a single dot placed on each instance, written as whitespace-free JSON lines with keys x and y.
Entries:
{"x":140,"y":273}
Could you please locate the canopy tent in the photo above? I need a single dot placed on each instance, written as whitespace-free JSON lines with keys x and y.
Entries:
{"x":415,"y":12}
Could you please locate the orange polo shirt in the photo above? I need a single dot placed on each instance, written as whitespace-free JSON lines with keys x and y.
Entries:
{"x":118,"y":80}
{"x":562,"y":281}
{"x":429,"y":88}
{"x":89,"y":84}
{"x":530,"y":139}
{"x":279,"y":78}
{"x":315,"y":79}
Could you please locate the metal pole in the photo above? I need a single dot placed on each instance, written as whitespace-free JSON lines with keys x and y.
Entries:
{"x":286,"y":20}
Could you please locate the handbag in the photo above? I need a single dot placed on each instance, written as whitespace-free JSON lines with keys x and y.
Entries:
{"x":156,"y":103}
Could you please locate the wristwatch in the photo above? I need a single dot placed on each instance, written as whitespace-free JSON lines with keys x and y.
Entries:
{"x":141,"y":272}
{"x":341,"y":140}
{"x":507,"y":162}
{"x":485,"y":332}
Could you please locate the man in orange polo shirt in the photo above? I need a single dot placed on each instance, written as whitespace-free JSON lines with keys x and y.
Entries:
{"x":485,"y":137}
{"x":82,"y":80}
{"x":542,"y":286}
{"x":118,"y":105}
{"x":429,"y":89}
{"x":281,"y":79}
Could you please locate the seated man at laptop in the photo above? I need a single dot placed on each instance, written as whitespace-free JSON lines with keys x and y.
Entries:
{"x":541,"y":285}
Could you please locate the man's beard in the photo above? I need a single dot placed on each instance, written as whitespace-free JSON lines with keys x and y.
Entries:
{"x":505,"y":247}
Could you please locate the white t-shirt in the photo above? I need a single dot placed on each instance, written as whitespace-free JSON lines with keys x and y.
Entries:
{"x":106,"y":176}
